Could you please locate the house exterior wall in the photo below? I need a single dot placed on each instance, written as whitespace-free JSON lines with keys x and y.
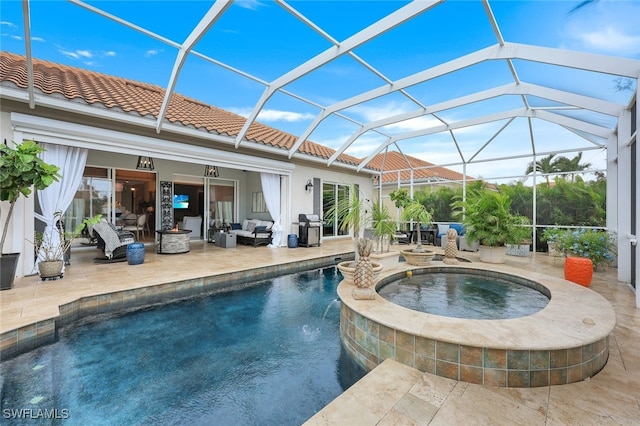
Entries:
{"x":119,"y":151}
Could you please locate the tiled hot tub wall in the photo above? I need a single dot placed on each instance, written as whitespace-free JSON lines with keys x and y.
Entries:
{"x":370,"y":343}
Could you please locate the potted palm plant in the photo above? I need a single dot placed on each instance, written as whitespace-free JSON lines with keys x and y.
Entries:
{"x":416,"y":211}
{"x":352,"y":212}
{"x":487,"y":218}
{"x":20,"y":170}
{"x":384,"y":230}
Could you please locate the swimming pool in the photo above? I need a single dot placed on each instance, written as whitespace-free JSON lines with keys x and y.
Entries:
{"x":465,"y":295}
{"x":269,"y":354}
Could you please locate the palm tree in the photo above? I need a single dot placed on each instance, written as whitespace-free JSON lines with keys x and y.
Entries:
{"x":416,"y":211}
{"x":564,"y":164}
{"x":545,"y":165}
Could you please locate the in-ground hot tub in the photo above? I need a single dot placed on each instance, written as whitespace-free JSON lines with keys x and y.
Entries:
{"x":565,"y":342}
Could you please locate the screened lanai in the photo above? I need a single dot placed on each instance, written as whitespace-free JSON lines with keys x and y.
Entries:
{"x":483,"y":88}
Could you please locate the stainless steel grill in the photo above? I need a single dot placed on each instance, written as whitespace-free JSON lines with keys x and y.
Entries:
{"x":309,"y":230}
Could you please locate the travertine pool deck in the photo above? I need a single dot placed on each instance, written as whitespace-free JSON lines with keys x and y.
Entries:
{"x":392,"y":394}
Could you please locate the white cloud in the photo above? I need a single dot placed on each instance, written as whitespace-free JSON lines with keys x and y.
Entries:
{"x":15,"y":37}
{"x":40,"y":39}
{"x":69,"y":54}
{"x":77,"y":54}
{"x":273,"y":115}
{"x":610,"y":39}
{"x":609,"y":27}
{"x":8,"y":24}
{"x":110,"y":53}
{"x":151,"y":52}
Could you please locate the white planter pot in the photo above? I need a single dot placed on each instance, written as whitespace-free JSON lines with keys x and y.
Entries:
{"x":388,"y":260}
{"x":489,"y":254}
{"x":521,"y":250}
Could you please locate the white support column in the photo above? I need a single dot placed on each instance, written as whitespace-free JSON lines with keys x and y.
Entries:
{"x":612,"y":183}
{"x":623,"y":196}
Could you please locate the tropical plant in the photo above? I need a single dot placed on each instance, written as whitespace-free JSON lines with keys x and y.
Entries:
{"x":486,"y":215}
{"x":567,"y":165}
{"x":521,"y":233}
{"x":352,"y":212}
{"x":417,"y":212}
{"x":400,"y":197}
{"x":51,"y":248}
{"x":383,"y":225}
{"x":545,"y":166}
{"x":599,"y":246}
{"x":20,"y":170}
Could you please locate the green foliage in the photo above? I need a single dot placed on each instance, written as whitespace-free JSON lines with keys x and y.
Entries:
{"x":383,"y":225}
{"x":400,"y":197}
{"x":416,"y":211}
{"x":575,"y":203}
{"x":352,"y":212}
{"x":21,"y":169}
{"x":50,"y":248}
{"x":486,"y":215}
{"x":522,"y":232}
{"x":439,"y":202}
{"x":599,"y":246}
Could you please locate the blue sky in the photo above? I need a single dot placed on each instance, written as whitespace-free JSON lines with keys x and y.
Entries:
{"x":263,"y":39}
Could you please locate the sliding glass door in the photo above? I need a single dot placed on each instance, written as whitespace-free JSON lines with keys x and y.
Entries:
{"x":333,"y":193}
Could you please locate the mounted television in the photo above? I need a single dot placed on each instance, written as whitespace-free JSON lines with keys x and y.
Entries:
{"x":180,"y":201}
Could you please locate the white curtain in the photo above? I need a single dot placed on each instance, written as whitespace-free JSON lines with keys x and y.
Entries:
{"x":271,"y":191}
{"x":59,"y":195}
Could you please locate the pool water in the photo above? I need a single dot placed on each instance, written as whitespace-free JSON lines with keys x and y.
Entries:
{"x":462,"y":295}
{"x":267,"y":355}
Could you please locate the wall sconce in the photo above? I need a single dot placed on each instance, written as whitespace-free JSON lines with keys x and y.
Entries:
{"x":145,"y":163}
{"x":309,"y":186}
{"x":376,"y":180}
{"x":211,"y":171}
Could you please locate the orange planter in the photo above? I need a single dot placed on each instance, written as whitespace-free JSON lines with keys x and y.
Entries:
{"x":578,"y":270}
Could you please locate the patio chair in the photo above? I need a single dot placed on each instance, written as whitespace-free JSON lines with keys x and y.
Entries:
{"x":113,"y":243}
{"x":137,"y":227}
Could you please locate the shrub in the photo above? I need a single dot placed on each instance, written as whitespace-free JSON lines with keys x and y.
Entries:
{"x":599,"y":246}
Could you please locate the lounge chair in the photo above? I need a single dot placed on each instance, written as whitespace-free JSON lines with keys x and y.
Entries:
{"x":113,"y":243}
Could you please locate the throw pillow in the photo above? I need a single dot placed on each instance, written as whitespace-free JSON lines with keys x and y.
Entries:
{"x":236,"y":226}
{"x":260,"y":228}
{"x":251,"y":226}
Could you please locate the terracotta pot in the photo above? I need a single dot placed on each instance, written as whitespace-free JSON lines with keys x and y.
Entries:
{"x":578,"y":270}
